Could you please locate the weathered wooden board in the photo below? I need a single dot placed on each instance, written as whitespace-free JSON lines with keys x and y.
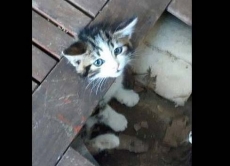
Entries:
{"x":49,"y":36}
{"x":73,"y":158}
{"x":34,"y":85}
{"x":182,"y":9}
{"x":60,"y":107}
{"x":62,"y":13}
{"x":90,"y":6}
{"x":147,"y":11}
{"x":41,"y":64}
{"x":62,"y":103}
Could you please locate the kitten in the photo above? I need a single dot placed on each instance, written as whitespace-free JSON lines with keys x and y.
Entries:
{"x":103,"y":51}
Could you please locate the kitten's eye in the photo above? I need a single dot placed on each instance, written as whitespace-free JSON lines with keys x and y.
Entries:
{"x":77,"y":62}
{"x":118,"y":50}
{"x":98,"y":62}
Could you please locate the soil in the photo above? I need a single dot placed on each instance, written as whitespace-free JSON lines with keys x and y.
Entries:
{"x":159,"y":123}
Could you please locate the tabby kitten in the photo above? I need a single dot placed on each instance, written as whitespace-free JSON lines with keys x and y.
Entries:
{"x":103,"y":51}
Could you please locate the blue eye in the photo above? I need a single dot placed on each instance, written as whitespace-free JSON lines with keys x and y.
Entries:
{"x":117,"y":51}
{"x":98,"y":62}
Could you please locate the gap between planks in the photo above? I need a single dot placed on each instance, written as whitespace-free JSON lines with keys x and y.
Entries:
{"x":51,"y":20}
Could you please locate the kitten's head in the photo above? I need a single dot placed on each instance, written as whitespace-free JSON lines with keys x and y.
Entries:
{"x":102,"y":51}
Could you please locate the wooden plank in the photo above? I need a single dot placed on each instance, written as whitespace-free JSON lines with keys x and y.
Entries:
{"x":182,"y":9}
{"x":60,"y":107}
{"x":62,"y":13}
{"x":90,"y":6}
{"x":34,"y":85}
{"x":41,"y":64}
{"x":62,"y":103}
{"x":73,"y":158}
{"x":79,"y":146}
{"x":49,"y":36}
{"x":148,"y":12}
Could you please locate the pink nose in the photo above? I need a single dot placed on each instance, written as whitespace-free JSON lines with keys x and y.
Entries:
{"x":115,"y":67}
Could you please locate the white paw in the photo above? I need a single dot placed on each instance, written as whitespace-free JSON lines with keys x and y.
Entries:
{"x":111,"y":118}
{"x":105,"y":141}
{"x":128,"y":97}
{"x":118,"y":122}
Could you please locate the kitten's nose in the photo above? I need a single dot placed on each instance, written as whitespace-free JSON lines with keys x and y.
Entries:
{"x":116,"y":67}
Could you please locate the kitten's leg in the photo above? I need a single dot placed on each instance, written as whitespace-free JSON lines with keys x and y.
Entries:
{"x":111,"y":91}
{"x":104,"y":142}
{"x":127,"y":97}
{"x":111,"y":118}
{"x":90,"y":122}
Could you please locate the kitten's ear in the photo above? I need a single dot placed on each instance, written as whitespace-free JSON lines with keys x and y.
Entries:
{"x":75,"y":49}
{"x":74,"y":53}
{"x":126,"y":28}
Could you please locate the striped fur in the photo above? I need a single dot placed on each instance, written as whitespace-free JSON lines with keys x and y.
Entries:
{"x":100,"y":42}
{"x":103,"y":51}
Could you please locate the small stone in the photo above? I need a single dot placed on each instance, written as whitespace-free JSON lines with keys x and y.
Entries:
{"x":137,"y":126}
{"x":159,"y":108}
{"x":144,"y":124}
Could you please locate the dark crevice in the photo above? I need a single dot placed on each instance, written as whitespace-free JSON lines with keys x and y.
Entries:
{"x":45,"y":51}
{"x":50,"y":55}
{"x":81,"y":9}
{"x":53,"y":21}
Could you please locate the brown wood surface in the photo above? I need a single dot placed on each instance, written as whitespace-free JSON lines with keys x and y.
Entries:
{"x":90,"y":6}
{"x":182,"y":9}
{"x":61,"y":12}
{"x":148,"y":12}
{"x":60,"y":107}
{"x":34,"y":85}
{"x":41,"y":64}
{"x":48,"y":35}
{"x":73,"y":158}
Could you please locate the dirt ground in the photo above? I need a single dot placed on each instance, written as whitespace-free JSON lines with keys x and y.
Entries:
{"x":159,"y":115}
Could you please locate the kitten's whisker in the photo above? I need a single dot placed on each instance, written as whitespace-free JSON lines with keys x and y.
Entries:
{"x":105,"y":81}
{"x":99,"y":85}
{"x":98,"y":80}
{"x":92,"y":85}
{"x":131,"y":60}
{"x":91,"y":81}
{"x":94,"y":82}
{"x":102,"y":83}
{"x":138,"y":55}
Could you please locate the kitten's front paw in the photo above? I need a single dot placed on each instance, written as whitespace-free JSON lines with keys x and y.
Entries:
{"x":128,"y":97}
{"x":103,"y":142}
{"x":111,"y":118}
{"x":118,"y":123}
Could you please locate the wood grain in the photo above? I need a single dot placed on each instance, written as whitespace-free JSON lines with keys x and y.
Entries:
{"x":49,"y":36}
{"x":41,"y":64}
{"x":61,"y":12}
{"x":147,"y":11}
{"x":62,"y":103}
{"x":90,"y":6}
